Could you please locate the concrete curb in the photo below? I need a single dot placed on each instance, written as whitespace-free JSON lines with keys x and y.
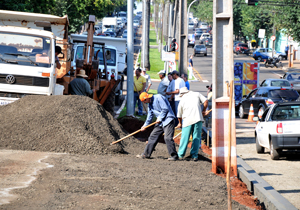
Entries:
{"x":265,"y":193}
{"x":262,"y":189}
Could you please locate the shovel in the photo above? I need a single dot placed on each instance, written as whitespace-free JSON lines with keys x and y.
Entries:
{"x":131,"y":134}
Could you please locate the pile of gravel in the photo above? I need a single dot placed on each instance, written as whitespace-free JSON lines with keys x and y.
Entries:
{"x":70,"y":124}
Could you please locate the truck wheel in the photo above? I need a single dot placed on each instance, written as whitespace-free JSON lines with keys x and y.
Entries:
{"x":259,"y":149}
{"x":273,"y":152}
{"x":109,"y":103}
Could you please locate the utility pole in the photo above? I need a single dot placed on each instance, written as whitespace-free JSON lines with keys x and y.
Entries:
{"x":182,"y":50}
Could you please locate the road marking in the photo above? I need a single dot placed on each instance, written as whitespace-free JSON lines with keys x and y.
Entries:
{"x":205,"y":81}
{"x":194,"y":70}
{"x":280,"y":75}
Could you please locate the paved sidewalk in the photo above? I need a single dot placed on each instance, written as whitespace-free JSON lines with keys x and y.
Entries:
{"x":296,"y":65}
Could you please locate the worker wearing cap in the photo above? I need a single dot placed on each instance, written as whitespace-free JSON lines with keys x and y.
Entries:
{"x":148,"y":80}
{"x":80,"y":86}
{"x":139,"y":87}
{"x":190,"y":116}
{"x":159,"y":106}
{"x":164,"y":83}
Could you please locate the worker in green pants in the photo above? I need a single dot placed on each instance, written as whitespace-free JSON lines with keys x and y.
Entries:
{"x":190,"y":116}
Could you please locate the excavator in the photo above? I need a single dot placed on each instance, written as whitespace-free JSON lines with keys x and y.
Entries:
{"x":97,"y":78}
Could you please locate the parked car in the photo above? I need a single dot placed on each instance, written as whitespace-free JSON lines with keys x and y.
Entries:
{"x":191,"y":26}
{"x":262,"y":97}
{"x":200,"y":49}
{"x":276,"y":83}
{"x":261,"y":54}
{"x":198,"y":34}
{"x":191,"y":40}
{"x":136,"y":23}
{"x":111,"y":32}
{"x":98,"y":30}
{"x":203,"y":37}
{"x":208,"y":42}
{"x":203,"y":26}
{"x":293,"y":78}
{"x":278,"y":129}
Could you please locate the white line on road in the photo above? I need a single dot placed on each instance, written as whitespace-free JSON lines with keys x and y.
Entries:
{"x":280,"y":75}
{"x":205,"y":81}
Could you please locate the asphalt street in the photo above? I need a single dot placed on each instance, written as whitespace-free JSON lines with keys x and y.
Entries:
{"x":282,"y":175}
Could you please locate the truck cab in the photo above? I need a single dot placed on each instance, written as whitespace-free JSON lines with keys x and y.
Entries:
{"x":27,"y":54}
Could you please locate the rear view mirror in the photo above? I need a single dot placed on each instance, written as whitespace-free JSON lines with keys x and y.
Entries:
{"x":108,"y":55}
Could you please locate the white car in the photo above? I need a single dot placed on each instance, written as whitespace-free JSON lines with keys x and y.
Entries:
{"x":278,"y":129}
{"x":136,"y":23}
{"x":203,"y":26}
{"x":203,"y":37}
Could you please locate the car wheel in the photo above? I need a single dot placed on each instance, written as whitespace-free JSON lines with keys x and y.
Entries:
{"x":259,"y":149}
{"x":259,"y":58}
{"x":280,"y":57}
{"x":241,"y":112}
{"x":205,"y":54}
{"x":273,"y":152}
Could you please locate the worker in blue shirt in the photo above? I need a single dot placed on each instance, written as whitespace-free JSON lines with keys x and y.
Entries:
{"x":185,"y":79}
{"x":160,"y":107}
{"x":80,"y":86}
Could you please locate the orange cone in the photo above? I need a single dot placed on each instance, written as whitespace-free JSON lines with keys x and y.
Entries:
{"x":251,"y":114}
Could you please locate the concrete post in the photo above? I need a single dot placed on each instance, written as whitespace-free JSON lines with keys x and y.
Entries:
{"x":222,"y":75}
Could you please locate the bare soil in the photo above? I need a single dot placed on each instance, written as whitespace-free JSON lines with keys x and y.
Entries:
{"x":93,"y":174}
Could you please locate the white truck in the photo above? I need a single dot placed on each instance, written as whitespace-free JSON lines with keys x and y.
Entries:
{"x":115,"y":65}
{"x":109,"y":23}
{"x":27,"y":54}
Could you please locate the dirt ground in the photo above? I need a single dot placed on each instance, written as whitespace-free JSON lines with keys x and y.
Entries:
{"x":91,"y":174}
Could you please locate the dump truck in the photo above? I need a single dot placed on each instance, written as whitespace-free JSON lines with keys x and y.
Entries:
{"x":27,"y":58}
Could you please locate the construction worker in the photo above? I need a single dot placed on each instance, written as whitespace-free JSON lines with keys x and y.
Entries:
{"x":164,"y":83}
{"x":139,"y":87}
{"x":185,"y":79}
{"x":159,"y":106}
{"x":80,"y":86}
{"x":148,"y":80}
{"x":190,"y":116}
{"x":57,"y":52}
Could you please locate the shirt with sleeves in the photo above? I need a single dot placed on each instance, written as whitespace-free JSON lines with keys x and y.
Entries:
{"x":179,"y":83}
{"x":187,"y":85}
{"x":161,"y":108}
{"x":148,"y":80}
{"x":163,"y":85}
{"x":80,"y":86}
{"x":171,"y":88}
{"x":189,"y":108}
{"x":138,"y":83}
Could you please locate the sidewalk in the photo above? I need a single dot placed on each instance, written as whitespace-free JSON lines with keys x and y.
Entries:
{"x":296,"y":65}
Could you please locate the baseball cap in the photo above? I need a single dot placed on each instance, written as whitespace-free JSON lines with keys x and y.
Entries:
{"x":175,"y":72}
{"x":145,"y":95}
{"x":162,"y":72}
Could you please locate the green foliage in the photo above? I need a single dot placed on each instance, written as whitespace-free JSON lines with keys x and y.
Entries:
{"x":203,"y":10}
{"x":78,"y":11}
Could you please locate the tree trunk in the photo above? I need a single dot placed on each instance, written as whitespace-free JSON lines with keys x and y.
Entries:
{"x":147,"y":26}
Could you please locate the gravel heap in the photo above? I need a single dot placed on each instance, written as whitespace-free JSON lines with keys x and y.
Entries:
{"x":70,"y":124}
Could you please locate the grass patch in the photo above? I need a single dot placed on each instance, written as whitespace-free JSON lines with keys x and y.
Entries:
{"x":156,"y":64}
{"x":152,"y":37}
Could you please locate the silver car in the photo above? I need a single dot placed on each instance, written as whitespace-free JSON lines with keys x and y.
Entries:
{"x":294,"y":78}
{"x":200,"y":49}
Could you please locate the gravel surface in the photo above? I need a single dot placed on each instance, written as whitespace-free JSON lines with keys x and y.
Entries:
{"x":67,"y":124}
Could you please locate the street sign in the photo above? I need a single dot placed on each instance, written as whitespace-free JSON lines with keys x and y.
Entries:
{"x":261,"y":33}
{"x":273,"y":38}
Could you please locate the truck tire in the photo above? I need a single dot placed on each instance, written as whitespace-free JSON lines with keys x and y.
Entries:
{"x":109,"y":103}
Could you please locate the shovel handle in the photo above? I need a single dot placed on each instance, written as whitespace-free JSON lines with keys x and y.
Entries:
{"x":131,"y":134}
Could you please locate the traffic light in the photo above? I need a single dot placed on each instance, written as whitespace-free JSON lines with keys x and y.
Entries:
{"x":252,"y":2}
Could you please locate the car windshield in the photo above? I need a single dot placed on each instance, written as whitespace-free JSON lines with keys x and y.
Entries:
{"x":200,"y":46}
{"x":286,"y":94}
{"x":28,"y":50}
{"x":286,"y":112}
{"x":280,"y":83}
{"x":111,"y":62}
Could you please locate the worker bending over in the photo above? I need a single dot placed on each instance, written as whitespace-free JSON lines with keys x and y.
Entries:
{"x":160,"y":107}
{"x":80,"y":86}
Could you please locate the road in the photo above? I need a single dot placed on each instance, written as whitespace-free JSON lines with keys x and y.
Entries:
{"x":283,"y":175}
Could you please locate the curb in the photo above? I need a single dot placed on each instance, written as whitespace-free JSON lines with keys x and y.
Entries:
{"x":265,"y":193}
{"x":262,"y":189}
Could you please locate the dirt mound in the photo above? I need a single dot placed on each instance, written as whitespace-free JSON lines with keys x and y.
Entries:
{"x":71,"y":124}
